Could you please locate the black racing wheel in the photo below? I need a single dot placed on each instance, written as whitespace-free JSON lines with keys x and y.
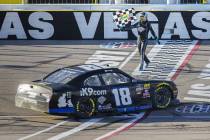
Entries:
{"x":161,"y":97}
{"x":85,"y":107}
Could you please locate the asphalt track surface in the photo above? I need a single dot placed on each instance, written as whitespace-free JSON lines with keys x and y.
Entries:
{"x":29,"y":60}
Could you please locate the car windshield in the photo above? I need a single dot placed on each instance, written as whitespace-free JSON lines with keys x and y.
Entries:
{"x":62,"y":76}
{"x":114,"y":78}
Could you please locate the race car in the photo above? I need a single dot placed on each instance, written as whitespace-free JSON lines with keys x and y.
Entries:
{"x":86,"y":90}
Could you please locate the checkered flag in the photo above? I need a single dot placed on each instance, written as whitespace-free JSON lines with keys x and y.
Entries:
{"x":123,"y":18}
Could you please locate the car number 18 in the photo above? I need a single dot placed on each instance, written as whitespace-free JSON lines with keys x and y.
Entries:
{"x":122,"y":96}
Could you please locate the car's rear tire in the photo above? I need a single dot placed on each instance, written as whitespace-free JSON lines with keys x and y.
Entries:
{"x":161,"y":97}
{"x":85,"y":107}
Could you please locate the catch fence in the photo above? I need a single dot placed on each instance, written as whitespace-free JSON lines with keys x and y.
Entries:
{"x":104,"y":1}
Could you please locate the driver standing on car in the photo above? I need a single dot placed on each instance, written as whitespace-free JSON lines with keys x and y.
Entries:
{"x":143,"y":28}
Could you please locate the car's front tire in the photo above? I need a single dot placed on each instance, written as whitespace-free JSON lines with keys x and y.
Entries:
{"x":85,"y":107}
{"x":161,"y":97}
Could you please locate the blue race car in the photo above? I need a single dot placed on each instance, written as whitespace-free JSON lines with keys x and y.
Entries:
{"x":86,"y":90}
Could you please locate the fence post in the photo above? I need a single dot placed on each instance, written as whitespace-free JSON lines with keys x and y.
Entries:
{"x":24,"y":1}
{"x":95,"y":1}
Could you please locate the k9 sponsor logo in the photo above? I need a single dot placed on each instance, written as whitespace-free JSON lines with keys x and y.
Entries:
{"x":92,"y":92}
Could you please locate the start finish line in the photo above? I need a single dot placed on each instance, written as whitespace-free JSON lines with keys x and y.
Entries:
{"x":167,"y":60}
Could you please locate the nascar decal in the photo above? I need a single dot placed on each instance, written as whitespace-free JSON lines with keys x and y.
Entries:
{"x":146,"y":93}
{"x":92,"y":92}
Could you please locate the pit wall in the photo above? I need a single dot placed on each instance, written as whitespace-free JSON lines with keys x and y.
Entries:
{"x":67,"y":24}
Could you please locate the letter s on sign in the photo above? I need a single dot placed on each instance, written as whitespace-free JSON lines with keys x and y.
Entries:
{"x":201,"y":20}
{"x":38,"y":20}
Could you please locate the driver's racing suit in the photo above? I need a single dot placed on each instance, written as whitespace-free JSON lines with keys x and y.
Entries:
{"x":143,"y":29}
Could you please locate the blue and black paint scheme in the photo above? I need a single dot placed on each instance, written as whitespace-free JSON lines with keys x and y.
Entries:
{"x":86,"y":90}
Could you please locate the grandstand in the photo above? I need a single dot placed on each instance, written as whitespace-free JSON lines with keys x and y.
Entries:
{"x":104,"y":1}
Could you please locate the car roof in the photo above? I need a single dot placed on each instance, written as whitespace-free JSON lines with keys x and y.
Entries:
{"x":83,"y":70}
{"x":86,"y":68}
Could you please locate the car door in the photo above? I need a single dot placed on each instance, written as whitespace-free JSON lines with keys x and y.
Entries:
{"x":121,"y":89}
{"x":94,"y":88}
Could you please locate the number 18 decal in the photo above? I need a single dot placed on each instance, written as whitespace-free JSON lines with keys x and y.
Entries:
{"x":122,"y":96}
